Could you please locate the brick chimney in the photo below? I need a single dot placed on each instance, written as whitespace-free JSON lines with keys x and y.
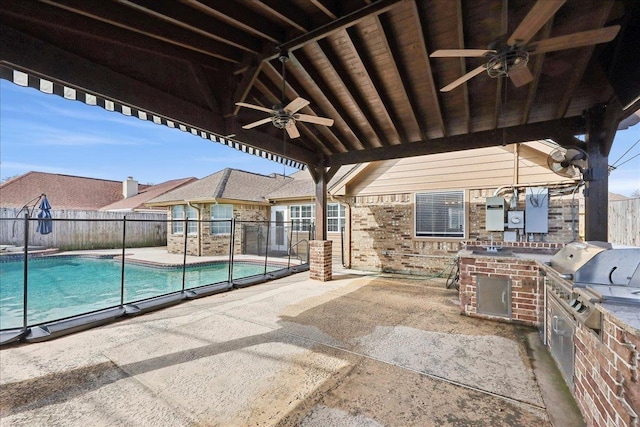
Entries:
{"x":129,"y":187}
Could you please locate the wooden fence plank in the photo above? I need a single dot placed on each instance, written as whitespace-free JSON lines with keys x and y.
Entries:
{"x":78,"y":230}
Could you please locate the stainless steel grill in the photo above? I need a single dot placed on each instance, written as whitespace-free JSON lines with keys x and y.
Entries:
{"x":599,"y":273}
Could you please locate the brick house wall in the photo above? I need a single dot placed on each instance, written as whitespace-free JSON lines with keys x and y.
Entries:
{"x":382,"y":232}
{"x":212,"y":245}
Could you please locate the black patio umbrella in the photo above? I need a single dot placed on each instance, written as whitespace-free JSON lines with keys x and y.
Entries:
{"x":45,"y":224}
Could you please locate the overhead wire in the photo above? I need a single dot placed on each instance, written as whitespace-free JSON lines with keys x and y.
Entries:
{"x":614,"y":165}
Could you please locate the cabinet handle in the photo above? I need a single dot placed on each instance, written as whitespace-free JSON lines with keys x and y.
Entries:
{"x":504,"y":294}
{"x":554,"y":324}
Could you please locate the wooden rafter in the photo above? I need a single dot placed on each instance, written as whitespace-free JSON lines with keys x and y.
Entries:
{"x":139,"y":22}
{"x":340,"y":113}
{"x":285,"y":12}
{"x":370,"y":76}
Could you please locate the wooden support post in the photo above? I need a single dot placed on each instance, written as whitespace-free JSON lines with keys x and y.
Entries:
{"x":601,"y":125}
{"x":320,"y":264}
{"x":320,"y":178}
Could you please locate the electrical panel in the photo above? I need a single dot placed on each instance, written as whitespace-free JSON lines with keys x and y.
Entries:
{"x":495,"y":214}
{"x":537,"y":210}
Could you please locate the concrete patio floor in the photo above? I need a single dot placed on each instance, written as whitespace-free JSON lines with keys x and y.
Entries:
{"x":356,"y":351}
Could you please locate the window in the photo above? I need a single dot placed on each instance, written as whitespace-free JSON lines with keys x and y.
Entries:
{"x":440,"y":214}
{"x":335,"y":217}
{"x":177,"y":219}
{"x":223,"y":214}
{"x":302,"y":216}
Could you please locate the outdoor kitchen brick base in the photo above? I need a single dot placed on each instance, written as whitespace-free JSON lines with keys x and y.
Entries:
{"x":320,"y":263}
{"x":607,"y":377}
{"x":525,"y":281}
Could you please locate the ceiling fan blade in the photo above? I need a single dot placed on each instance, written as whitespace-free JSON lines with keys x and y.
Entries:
{"x":313,"y":119}
{"x":296,"y":105}
{"x":584,"y":38}
{"x":539,"y":14}
{"x":292,"y":130}
{"x":457,"y":53}
{"x":258,"y":123}
{"x":255,"y":107}
{"x":520,"y":76}
{"x":471,"y":74}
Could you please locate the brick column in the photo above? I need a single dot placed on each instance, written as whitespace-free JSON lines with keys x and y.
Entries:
{"x":320,"y":266}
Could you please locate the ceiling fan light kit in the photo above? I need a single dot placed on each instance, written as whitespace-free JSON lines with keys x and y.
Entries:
{"x":501,"y":64}
{"x":285,"y":117}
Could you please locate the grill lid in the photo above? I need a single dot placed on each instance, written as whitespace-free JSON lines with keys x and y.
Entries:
{"x":574,"y":255}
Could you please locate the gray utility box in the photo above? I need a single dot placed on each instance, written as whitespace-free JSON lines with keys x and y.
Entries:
{"x":537,"y":210}
{"x":495,"y":214}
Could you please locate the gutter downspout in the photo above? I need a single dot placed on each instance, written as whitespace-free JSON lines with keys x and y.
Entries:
{"x":198,"y":240}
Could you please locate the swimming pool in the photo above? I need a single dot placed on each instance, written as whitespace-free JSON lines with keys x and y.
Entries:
{"x":60,"y":287}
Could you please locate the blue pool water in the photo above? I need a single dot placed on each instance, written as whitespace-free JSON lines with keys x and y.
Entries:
{"x":60,"y":287}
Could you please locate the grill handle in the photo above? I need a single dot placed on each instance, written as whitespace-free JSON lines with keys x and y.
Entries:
{"x":566,"y":276}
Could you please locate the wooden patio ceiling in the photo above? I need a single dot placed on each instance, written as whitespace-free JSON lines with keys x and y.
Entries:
{"x":366,"y":64}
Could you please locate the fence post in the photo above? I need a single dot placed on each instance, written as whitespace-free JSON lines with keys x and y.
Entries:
{"x":232,"y":236}
{"x":26,"y":269}
{"x":266,"y":248}
{"x":290,"y":238}
{"x":184,"y":254}
{"x":124,"y":244}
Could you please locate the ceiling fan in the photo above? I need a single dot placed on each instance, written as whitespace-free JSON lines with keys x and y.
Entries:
{"x":510,"y":58}
{"x":286,"y":116}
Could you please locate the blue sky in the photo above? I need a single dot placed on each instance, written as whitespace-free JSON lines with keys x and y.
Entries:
{"x":47,"y":133}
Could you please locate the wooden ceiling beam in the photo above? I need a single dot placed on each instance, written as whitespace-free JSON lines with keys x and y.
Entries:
{"x":184,"y":17}
{"x":58,"y":19}
{"x":488,"y":138}
{"x":375,"y":8}
{"x":463,"y":66}
{"x":329,"y":11}
{"x":537,"y":72}
{"x":387,"y":113}
{"x":239,"y":17}
{"x":285,"y":12}
{"x":424,"y":57}
{"x":142,"y":23}
{"x":500,"y":104}
{"x":579,"y":66}
{"x":341,"y":115}
{"x":400,"y":74}
{"x":350,"y":88}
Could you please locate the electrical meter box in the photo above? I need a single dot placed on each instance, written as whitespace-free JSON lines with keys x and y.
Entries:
{"x":515,"y":219}
{"x":495,"y":214}
{"x":537,"y":210}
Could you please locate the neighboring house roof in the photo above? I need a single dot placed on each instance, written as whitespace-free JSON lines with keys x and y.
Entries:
{"x":243,"y":186}
{"x":79,"y":193}
{"x":302,"y":185}
{"x":227,"y":184}
{"x":615,"y":197}
{"x":63,"y":191}
{"x":138,"y":201}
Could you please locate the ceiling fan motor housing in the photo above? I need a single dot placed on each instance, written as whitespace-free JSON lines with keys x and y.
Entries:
{"x":507,"y":60}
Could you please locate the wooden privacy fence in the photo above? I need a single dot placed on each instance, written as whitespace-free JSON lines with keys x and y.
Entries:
{"x":624,"y":222}
{"x":77,"y":230}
